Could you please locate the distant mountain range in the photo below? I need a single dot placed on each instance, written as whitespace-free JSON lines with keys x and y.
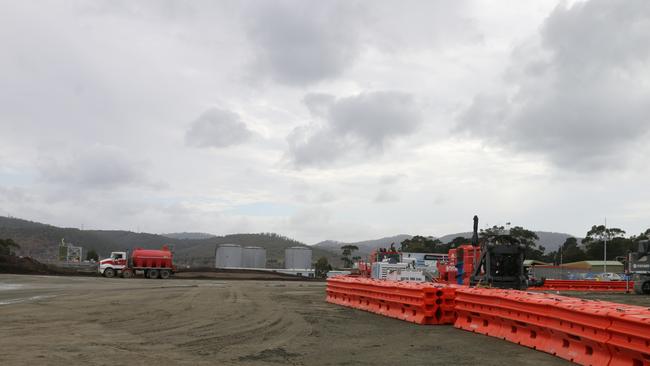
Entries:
{"x":365,"y":247}
{"x":41,"y":242}
{"x":189,"y":236}
{"x":549,"y":240}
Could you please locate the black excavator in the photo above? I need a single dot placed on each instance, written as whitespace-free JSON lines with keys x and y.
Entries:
{"x":501,"y":261}
{"x":638,"y":266}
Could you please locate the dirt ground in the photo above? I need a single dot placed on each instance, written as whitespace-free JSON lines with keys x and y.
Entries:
{"x":97,"y":321}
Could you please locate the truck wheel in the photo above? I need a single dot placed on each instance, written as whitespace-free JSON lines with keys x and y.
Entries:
{"x":164,"y":274}
{"x":127,"y":273}
{"x":642,"y":287}
{"x":109,"y":273}
{"x":645,"y":288}
{"x":153,"y":273}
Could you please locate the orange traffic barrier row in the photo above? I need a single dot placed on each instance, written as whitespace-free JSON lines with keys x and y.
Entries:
{"x":421,"y":303}
{"x":586,"y":332}
{"x":585,"y":285}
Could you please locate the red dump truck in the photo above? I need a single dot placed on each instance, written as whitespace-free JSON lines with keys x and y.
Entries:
{"x":150,"y":262}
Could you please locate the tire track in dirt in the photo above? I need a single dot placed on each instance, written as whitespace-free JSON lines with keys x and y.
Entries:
{"x":97,"y":321}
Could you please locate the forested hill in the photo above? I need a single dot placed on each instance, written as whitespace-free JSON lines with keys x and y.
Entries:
{"x":366,"y":246}
{"x":549,"y":240}
{"x":41,"y":241}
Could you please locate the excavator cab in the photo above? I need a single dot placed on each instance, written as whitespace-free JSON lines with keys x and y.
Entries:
{"x":638,"y":265}
{"x":501,"y":263}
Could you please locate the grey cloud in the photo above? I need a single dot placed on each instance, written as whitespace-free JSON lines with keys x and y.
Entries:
{"x":217,"y":128}
{"x":367,"y":122}
{"x":14,"y":195}
{"x":385,"y":196}
{"x":299,"y":42}
{"x":95,"y":167}
{"x":391,"y":179}
{"x":303,"y":42}
{"x":375,"y":117}
{"x":319,"y":103}
{"x":414,"y":24}
{"x":581,"y":99}
{"x":315,"y":146}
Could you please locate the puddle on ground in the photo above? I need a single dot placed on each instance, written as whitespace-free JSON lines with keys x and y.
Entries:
{"x":9,"y":286}
{"x":24,"y":299}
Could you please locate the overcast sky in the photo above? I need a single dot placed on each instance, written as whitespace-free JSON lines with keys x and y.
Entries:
{"x":320,"y":120}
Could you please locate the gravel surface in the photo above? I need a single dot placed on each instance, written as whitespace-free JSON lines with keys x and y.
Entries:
{"x":97,"y":321}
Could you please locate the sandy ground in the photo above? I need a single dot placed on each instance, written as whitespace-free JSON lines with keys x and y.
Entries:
{"x":98,"y":321}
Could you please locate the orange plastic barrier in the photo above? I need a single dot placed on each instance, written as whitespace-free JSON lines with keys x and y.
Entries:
{"x":584,"y":285}
{"x":629,"y":341}
{"x":421,"y":303}
{"x":586,"y":332}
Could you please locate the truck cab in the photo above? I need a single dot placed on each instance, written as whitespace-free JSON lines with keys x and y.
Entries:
{"x":638,"y":266}
{"x":116,"y":264}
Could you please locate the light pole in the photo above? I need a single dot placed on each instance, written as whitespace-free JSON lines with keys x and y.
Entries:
{"x":561,"y":261}
{"x":605,"y":248}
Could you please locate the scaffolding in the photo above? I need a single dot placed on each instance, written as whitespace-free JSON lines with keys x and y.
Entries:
{"x":69,"y":252}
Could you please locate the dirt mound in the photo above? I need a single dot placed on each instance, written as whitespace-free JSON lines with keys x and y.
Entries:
{"x":237,"y":274}
{"x":28,"y":265}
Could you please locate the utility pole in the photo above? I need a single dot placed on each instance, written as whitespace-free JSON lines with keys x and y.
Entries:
{"x":561,"y":261}
{"x":605,"y":247}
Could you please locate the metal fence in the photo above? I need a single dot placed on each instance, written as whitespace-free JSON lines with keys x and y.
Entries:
{"x":560,"y":273}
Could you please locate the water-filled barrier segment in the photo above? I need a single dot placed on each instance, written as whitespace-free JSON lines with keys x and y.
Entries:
{"x":421,"y":303}
{"x":585,"y":285}
{"x":586,"y":332}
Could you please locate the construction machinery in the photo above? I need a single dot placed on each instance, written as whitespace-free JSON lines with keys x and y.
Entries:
{"x":496,"y":260}
{"x":380,"y":262}
{"x":151,"y":263}
{"x":500,"y":261}
{"x":390,"y":263}
{"x":638,"y":266}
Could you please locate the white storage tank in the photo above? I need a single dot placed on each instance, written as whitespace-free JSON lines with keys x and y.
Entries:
{"x":297,"y":258}
{"x":228,"y":256}
{"x":253,"y":257}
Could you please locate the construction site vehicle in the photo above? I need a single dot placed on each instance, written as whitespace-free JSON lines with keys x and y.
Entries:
{"x":390,"y":255}
{"x":501,"y":266}
{"x":152,"y":263}
{"x":638,"y":266}
{"x":499,"y":263}
{"x":390,"y":263}
{"x":380,"y":270}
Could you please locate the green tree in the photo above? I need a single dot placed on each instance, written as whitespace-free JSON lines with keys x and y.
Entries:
{"x":421,"y":244}
{"x":321,"y":267}
{"x":568,"y":252}
{"x":601,"y":233}
{"x":7,"y":246}
{"x":643,"y":236}
{"x":92,"y":255}
{"x":617,"y":244}
{"x":516,"y":235}
{"x":347,"y":254}
{"x":457,"y":241}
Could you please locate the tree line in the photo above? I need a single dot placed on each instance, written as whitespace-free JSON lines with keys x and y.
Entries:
{"x":590,"y":248}
{"x":593,"y":245}
{"x":7,"y":246}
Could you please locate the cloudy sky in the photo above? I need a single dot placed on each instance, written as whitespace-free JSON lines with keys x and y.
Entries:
{"x":342,"y":120}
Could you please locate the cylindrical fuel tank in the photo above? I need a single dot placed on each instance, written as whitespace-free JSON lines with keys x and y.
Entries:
{"x":254,"y":257}
{"x":297,"y":258}
{"x":228,"y":256}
